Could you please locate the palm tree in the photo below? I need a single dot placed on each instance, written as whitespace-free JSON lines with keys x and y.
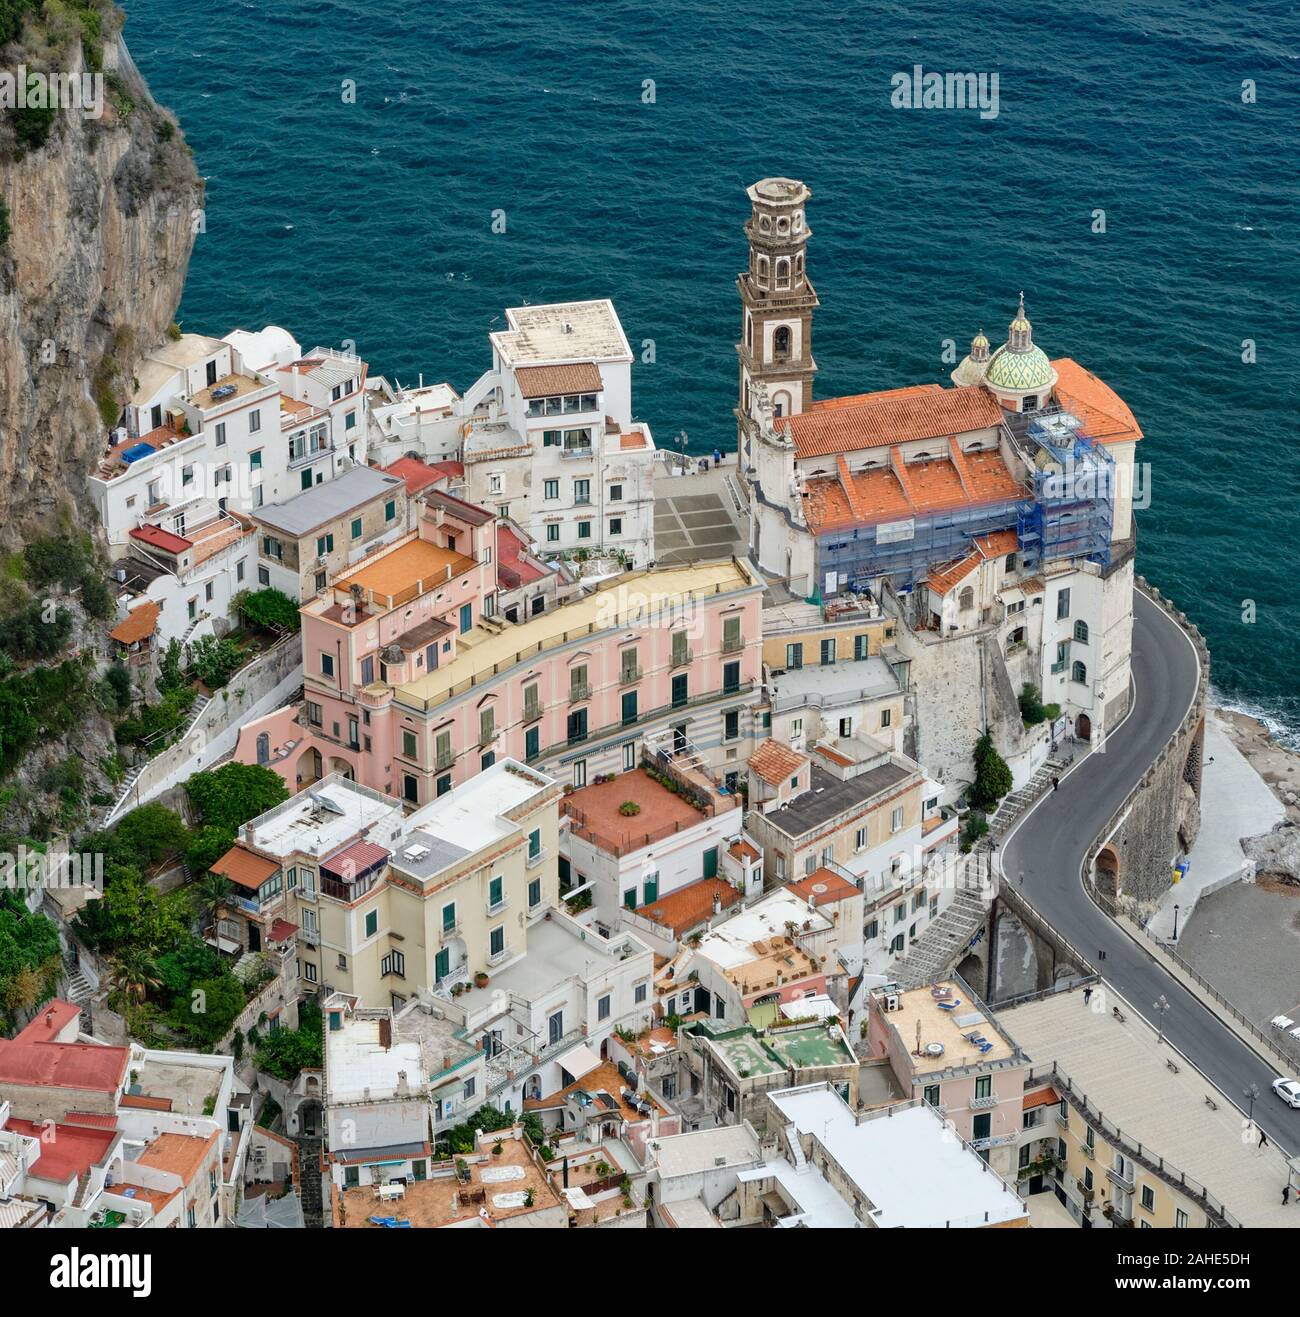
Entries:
{"x":211,"y":894}
{"x":134,"y":973}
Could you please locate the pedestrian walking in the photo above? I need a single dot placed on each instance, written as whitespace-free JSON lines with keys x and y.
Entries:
{"x":1087,"y":995}
{"x":1056,"y":784}
{"x":1263,"y":1139}
{"x":1286,"y":1194}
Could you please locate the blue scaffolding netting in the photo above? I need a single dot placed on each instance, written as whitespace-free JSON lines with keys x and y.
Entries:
{"x":1069,"y":516}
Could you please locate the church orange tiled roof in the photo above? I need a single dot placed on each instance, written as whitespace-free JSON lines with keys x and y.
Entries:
{"x":894,"y":416}
{"x":1105,"y":415}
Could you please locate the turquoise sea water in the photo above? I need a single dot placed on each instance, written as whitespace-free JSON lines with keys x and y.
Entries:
{"x":372,"y":221}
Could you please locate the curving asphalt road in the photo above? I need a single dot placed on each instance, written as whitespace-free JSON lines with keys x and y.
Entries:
{"x":1050,"y":843}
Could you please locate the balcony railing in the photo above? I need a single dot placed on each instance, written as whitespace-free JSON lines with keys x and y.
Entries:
{"x":496,"y":909}
{"x":1123,"y":1178}
{"x":981,"y":1103}
{"x":627,"y":676}
{"x":498,"y":956}
{"x":681,"y":658}
{"x":733,"y":645}
{"x":577,"y":451}
{"x":532,"y":712}
{"x":445,"y":759}
{"x":578,"y":692}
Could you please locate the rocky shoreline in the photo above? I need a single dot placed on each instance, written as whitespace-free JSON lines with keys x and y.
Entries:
{"x":1276,"y":853}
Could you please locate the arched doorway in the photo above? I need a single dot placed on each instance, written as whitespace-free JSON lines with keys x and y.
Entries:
{"x":309,"y":768}
{"x":1108,"y":871}
{"x":1083,"y":727}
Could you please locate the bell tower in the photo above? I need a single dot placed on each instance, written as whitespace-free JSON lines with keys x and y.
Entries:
{"x":777,"y":304}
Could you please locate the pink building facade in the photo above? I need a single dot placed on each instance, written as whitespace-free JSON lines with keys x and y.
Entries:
{"x":412,"y":684}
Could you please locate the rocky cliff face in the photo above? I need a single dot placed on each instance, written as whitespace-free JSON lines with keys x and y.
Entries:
{"x":101,"y":217}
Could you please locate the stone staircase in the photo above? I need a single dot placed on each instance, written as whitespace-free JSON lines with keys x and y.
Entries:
{"x":79,"y":991}
{"x":201,"y":702}
{"x":942,"y":944}
{"x":1013,"y":805}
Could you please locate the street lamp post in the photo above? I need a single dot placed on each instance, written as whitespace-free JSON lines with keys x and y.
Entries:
{"x":1250,"y":1094}
{"x":1162,"y":1006}
{"x":1175,"y":923}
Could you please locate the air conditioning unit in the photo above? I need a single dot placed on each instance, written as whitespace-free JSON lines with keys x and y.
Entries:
{"x":892,"y":1002}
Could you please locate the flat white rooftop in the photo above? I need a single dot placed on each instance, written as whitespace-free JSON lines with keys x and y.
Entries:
{"x":322,"y":818}
{"x":562,"y":331}
{"x":731,"y":943}
{"x":473,"y":814}
{"x":359,"y":1066}
{"x":904,"y":1162}
{"x":705,"y":1150}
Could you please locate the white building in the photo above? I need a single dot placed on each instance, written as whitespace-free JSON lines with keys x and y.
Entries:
{"x":899,"y":1167}
{"x":634,"y":861}
{"x":208,"y":435}
{"x":549,"y":435}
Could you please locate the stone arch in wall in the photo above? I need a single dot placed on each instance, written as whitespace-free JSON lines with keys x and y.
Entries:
{"x":1108,"y":872}
{"x":974,"y":970}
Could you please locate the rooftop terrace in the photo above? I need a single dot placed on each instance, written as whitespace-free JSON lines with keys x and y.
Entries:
{"x":633,"y":598}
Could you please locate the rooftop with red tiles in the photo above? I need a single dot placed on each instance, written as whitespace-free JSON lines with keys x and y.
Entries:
{"x":934,"y":486}
{"x":1105,"y":415}
{"x":776,"y":763}
{"x":894,"y":416}
{"x":690,"y":906}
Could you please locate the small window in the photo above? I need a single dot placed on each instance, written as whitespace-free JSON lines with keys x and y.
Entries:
{"x":1079,"y":673}
{"x":1081,"y":632}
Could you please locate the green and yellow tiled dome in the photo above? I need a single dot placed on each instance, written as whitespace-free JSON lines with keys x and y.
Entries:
{"x":1018,"y":365}
{"x":1010,"y":368}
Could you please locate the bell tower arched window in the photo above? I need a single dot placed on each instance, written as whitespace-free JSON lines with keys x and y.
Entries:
{"x":781,"y":343}
{"x":783,"y":273}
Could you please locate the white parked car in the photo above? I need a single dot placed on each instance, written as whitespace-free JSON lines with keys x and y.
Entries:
{"x":1288,"y":1090}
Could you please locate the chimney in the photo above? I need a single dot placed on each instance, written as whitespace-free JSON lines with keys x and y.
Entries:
{"x":446,"y":1063}
{"x":717,"y":903}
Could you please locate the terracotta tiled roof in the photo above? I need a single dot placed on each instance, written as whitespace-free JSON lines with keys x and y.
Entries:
{"x":909,"y":490}
{"x":356,"y":858}
{"x":1105,"y":415}
{"x":158,"y":538}
{"x":138,"y":624}
{"x":776,"y":763}
{"x":415,"y":473}
{"x":244,"y":868}
{"x":683,"y":909}
{"x":282,"y":930}
{"x":824,"y":887}
{"x":633,"y":439}
{"x":545,"y":381}
{"x":998,"y":544}
{"x":942,"y":579}
{"x":143,"y":1103}
{"x":1048,"y":1097}
{"x":100,"y":1120}
{"x":742,"y":850}
{"x":894,"y":417}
